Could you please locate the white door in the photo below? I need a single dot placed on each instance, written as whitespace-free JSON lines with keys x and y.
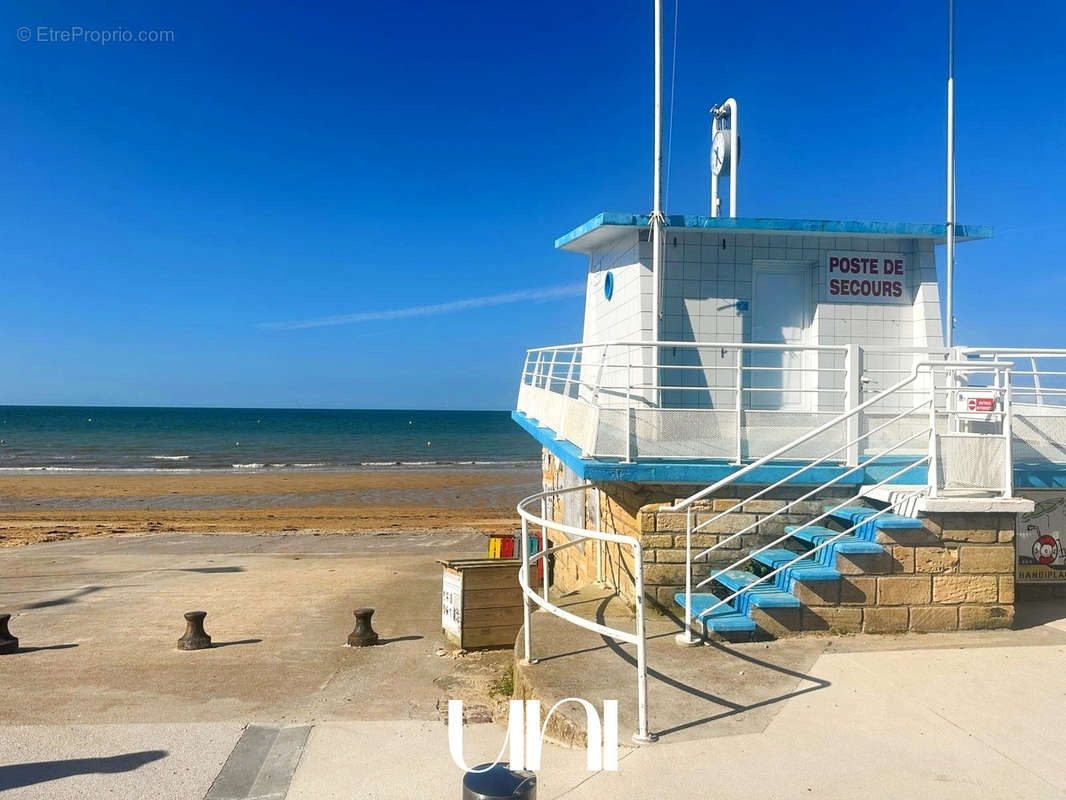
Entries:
{"x":780,"y":296}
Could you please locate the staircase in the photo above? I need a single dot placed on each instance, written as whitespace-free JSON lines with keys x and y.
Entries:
{"x":796,"y":582}
{"x":805,"y":568}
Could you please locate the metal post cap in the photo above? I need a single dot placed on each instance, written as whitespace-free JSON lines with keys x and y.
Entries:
{"x":499,"y":782}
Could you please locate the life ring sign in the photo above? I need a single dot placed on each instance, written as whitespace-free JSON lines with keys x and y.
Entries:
{"x":1041,"y":539}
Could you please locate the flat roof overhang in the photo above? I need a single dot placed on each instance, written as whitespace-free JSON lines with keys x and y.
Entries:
{"x":604,"y":227}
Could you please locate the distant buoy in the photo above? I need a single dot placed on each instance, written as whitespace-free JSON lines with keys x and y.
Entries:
{"x":90,"y":419}
{"x":236,"y":444}
{"x":410,"y":421}
{"x":429,"y":444}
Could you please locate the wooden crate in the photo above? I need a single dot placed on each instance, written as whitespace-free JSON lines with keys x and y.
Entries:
{"x":481,"y":601}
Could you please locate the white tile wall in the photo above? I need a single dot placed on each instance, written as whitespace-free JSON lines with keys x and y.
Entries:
{"x":707,"y":273}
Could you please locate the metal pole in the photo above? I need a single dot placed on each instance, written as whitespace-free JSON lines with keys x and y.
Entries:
{"x":739,"y":400}
{"x":685,"y":638}
{"x":1008,"y":438}
{"x":657,"y":192}
{"x":642,"y":734}
{"x":599,"y":542}
{"x":734,"y":154}
{"x":527,"y":604}
{"x":544,"y":544}
{"x":714,"y":178}
{"x":852,"y":397}
{"x":629,"y":406}
{"x":950,"y":227}
{"x":933,"y":478}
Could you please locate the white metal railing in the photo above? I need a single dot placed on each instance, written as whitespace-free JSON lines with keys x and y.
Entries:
{"x":1032,"y":386}
{"x":576,"y":536}
{"x":934,"y":434}
{"x":739,"y":401}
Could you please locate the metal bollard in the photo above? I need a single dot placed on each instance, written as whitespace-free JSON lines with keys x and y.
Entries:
{"x":8,"y":643}
{"x":499,"y":783}
{"x":363,"y":635}
{"x":195,"y":637}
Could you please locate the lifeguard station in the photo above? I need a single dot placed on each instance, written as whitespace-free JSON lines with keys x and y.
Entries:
{"x":764,"y":431}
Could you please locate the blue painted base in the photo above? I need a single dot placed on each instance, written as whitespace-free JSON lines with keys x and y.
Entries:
{"x":707,"y":471}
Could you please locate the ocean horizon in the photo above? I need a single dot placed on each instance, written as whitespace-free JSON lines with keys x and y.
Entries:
{"x":186,"y":439}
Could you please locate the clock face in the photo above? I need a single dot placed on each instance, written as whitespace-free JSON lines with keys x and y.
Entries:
{"x":719,"y":149}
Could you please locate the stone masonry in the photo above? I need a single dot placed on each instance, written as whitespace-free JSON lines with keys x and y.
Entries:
{"x":955,"y":573}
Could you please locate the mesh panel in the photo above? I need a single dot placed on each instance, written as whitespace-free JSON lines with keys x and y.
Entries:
{"x":970,"y":462}
{"x":577,"y":425}
{"x":896,"y":432}
{"x":682,"y":433}
{"x":611,"y":433}
{"x":1039,"y":435}
{"x":766,"y":431}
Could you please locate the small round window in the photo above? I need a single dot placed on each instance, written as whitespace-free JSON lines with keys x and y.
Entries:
{"x":608,"y":285}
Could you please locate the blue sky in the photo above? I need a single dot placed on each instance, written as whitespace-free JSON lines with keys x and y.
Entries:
{"x":160,"y":202}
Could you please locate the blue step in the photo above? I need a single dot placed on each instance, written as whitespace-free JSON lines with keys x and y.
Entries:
{"x":856,"y":515}
{"x":814,"y":535}
{"x":725,"y":619}
{"x":806,"y":569}
{"x":761,"y":595}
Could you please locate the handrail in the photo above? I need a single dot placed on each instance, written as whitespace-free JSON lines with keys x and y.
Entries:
{"x":815,"y":463}
{"x":929,"y":459}
{"x":733,"y":477}
{"x":530,"y":595}
{"x":816,"y":548}
{"x":807,"y":524}
{"x":831,"y":482}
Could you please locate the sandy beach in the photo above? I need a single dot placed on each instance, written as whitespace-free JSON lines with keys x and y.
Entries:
{"x":51,"y":507}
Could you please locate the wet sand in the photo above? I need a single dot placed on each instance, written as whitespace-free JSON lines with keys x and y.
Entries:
{"x":51,"y":507}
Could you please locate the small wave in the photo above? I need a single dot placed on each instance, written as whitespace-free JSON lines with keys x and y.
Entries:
{"x":311,"y":465}
{"x":170,"y":458}
{"x":252,"y":465}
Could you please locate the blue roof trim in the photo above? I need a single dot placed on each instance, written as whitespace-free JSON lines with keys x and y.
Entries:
{"x":912,"y":230}
{"x":699,"y":472}
{"x":1026,"y":476}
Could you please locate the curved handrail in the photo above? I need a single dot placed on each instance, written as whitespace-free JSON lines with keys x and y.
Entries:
{"x":530,"y":595}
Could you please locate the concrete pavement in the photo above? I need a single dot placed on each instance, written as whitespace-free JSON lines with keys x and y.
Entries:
{"x":100,"y":704}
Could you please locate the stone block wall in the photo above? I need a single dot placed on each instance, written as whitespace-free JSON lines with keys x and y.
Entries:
{"x":954,"y":573}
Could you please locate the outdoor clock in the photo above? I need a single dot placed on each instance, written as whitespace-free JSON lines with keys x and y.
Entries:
{"x":720,"y":156}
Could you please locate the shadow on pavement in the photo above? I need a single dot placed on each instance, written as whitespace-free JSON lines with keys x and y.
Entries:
{"x":46,"y":647}
{"x":731,"y":708}
{"x":216,"y":645}
{"x":66,"y":600}
{"x":18,"y":775}
{"x":386,"y":640}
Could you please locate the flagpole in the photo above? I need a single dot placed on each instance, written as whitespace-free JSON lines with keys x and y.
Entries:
{"x":657,"y":176}
{"x":950,"y":227}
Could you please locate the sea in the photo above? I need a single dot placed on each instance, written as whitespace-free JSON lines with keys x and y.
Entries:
{"x":94,"y":438}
